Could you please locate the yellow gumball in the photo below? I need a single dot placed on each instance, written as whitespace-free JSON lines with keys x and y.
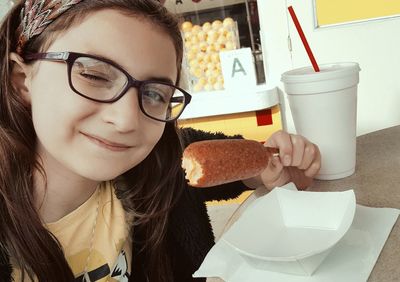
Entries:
{"x":221,"y":40}
{"x":230,"y":35}
{"x":201,"y":35}
{"x":203,"y":46}
{"x":202,"y":65}
{"x":194,"y":40}
{"x":210,"y":49}
{"x":229,"y":45}
{"x":216,"y":24}
{"x":208,"y":73}
{"x":196,"y":29}
{"x":211,"y":80}
{"x":194,"y":49}
{"x":207,"y":58}
{"x":208,"y":87}
{"x":210,"y":66}
{"x":212,"y":73}
{"x":198,"y":72}
{"x":186,"y":26}
{"x":218,"y":86}
{"x":200,"y":56}
{"x":217,"y":47}
{"x":202,"y":81}
{"x":221,"y":48}
{"x":190,"y":56}
{"x":212,"y":34}
{"x":193,"y":63}
{"x":222,"y":31}
{"x":216,"y":73}
{"x":198,"y":87}
{"x":206,"y":27}
{"x":187,"y":35}
{"x":215,"y":57}
{"x":188,"y":45}
{"x":228,"y":22}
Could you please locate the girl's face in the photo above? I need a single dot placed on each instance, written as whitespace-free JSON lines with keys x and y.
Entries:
{"x":99,"y":141}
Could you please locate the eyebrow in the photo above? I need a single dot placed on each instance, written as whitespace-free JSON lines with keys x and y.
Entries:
{"x":156,"y":78}
{"x":162,"y":79}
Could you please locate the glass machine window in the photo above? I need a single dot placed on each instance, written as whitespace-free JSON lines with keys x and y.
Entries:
{"x":210,"y":27}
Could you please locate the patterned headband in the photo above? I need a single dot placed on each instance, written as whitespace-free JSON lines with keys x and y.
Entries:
{"x":36,"y":15}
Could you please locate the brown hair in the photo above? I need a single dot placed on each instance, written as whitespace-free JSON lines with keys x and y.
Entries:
{"x":147,"y":191}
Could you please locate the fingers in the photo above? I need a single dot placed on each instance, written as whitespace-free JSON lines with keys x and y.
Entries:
{"x":298,"y":148}
{"x":274,"y":174}
{"x":291,"y":147}
{"x":297,"y":176}
{"x":315,"y":164}
{"x":283,"y":179}
{"x":283,"y":142}
{"x":311,"y":159}
{"x":296,"y":151}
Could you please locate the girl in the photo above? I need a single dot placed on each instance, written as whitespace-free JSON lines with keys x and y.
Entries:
{"x":91,"y":187}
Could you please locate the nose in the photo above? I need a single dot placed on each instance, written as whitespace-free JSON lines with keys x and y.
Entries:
{"x":124,"y":114}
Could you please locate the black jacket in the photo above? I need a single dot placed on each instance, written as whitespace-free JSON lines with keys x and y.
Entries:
{"x":189,"y":234}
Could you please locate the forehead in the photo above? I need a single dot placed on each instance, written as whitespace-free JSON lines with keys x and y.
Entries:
{"x":140,"y":47}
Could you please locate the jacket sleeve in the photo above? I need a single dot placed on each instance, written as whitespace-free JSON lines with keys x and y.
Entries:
{"x":221,"y":192}
{"x":190,"y":135}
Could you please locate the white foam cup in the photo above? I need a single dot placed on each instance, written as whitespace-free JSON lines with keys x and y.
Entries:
{"x":324,"y":110}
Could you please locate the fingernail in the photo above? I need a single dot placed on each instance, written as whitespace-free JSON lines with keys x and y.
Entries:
{"x":286,"y":160}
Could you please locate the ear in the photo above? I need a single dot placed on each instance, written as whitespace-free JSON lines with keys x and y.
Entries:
{"x":20,"y":76}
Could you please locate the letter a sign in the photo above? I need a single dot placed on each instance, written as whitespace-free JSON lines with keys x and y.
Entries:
{"x":238,"y":69}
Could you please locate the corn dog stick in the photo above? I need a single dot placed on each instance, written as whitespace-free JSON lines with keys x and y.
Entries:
{"x":214,"y":162}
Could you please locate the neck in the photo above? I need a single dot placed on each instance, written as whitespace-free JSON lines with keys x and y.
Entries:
{"x":61,"y":192}
{"x":56,"y":200}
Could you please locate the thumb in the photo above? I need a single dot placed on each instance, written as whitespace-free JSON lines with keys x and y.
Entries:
{"x":272,"y":172}
{"x":270,"y":142}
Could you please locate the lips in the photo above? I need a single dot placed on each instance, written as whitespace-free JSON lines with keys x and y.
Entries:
{"x":104,"y":143}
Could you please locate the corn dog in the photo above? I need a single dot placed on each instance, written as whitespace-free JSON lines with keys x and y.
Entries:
{"x":213,"y":162}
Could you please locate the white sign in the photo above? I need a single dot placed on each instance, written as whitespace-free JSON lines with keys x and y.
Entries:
{"x":238,"y":68}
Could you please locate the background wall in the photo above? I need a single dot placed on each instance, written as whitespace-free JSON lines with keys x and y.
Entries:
{"x":339,"y":11}
{"x":5,"y":5}
{"x":374,"y":45}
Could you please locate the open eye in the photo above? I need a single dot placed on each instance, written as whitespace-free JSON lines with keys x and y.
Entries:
{"x":154,"y":95}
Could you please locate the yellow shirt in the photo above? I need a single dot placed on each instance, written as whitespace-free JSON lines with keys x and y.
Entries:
{"x":110,"y":257}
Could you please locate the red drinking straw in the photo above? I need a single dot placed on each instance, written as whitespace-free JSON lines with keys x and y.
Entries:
{"x":303,"y":38}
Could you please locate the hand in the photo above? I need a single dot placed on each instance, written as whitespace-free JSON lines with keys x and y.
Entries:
{"x":298,"y":162}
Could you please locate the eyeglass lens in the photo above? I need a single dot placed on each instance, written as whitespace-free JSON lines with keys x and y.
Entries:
{"x":101,"y":81}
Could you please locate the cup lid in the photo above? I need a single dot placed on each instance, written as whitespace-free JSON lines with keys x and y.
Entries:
{"x":327,"y":72}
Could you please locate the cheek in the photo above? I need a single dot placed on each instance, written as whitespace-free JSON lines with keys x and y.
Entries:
{"x":112,"y":168}
{"x":152,"y":134}
{"x":56,"y":111}
{"x":51,"y":96}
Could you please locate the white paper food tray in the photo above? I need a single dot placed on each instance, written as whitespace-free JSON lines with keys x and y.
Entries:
{"x":292,"y":231}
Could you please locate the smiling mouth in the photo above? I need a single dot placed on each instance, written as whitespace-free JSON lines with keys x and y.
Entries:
{"x":116,"y":147}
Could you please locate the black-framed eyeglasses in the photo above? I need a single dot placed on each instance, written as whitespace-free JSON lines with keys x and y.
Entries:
{"x":102,"y":80}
